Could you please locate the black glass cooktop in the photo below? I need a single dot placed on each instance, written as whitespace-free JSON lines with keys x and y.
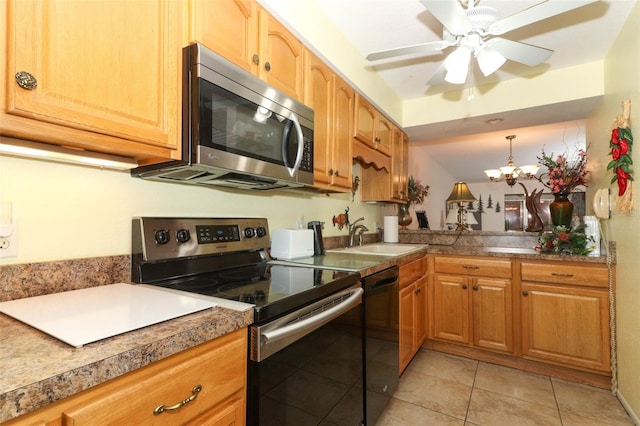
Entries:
{"x":274,"y":289}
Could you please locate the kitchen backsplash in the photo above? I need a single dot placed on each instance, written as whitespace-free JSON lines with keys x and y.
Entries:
{"x":36,"y":279}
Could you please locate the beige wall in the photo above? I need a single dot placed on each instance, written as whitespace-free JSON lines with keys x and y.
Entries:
{"x":622,"y":81}
{"x":67,"y":212}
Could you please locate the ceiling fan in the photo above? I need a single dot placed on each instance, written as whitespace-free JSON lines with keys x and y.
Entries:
{"x":472,"y":31}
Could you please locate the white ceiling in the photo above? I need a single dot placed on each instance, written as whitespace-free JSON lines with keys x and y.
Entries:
{"x":579,"y":36}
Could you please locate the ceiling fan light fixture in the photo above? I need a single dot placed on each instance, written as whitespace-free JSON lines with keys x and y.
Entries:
{"x":490,"y":60}
{"x":457,"y":65}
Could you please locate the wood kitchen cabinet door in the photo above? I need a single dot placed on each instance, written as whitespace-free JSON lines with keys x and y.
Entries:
{"x":343,"y":102}
{"x":399,"y":165}
{"x":108,"y":68}
{"x":566,"y":325}
{"x":281,"y":57}
{"x":228,"y":27}
{"x":492,"y":314}
{"x":451,"y":316}
{"x":332,"y":101}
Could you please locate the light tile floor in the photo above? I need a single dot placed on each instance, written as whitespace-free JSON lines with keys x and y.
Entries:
{"x":440,"y":389}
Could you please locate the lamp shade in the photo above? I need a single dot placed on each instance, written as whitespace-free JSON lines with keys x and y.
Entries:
{"x":457,"y":65}
{"x":460,"y":194}
{"x":489,"y":60}
{"x":452,"y":216}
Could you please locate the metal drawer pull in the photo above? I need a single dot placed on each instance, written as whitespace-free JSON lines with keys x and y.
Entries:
{"x":525,"y":293}
{"x":470,"y":267}
{"x":555,"y":274}
{"x":475,"y":288}
{"x":464,"y":286}
{"x":162,"y":408}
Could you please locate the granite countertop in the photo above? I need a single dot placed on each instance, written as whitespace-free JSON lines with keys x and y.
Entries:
{"x":512,"y":253}
{"x":38,"y":370}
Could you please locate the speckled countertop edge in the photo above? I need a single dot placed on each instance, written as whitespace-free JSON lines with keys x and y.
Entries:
{"x":38,"y":370}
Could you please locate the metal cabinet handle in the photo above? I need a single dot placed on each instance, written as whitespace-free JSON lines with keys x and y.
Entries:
{"x":337,"y":173}
{"x":256,"y":59}
{"x":267,"y":66}
{"x":162,"y":408}
{"x":471,"y":267}
{"x":26,"y":80}
{"x":475,"y":288}
{"x":525,"y":293}
{"x":418,"y":291}
{"x":464,"y":286}
{"x":330,"y":172}
{"x":556,"y":274}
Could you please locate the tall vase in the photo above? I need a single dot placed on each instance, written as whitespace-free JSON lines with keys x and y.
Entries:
{"x":561,"y":210}
{"x":404,"y":217}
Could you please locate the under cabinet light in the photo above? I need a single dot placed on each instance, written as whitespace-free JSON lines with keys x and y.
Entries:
{"x":42,"y":151}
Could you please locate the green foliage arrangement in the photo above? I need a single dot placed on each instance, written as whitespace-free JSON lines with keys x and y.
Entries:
{"x":565,"y":240}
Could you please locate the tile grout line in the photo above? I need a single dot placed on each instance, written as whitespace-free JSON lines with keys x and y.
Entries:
{"x":473,"y":387}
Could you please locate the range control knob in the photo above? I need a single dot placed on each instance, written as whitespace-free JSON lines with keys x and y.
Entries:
{"x":183,"y":235}
{"x":162,"y":236}
{"x":249,"y":232}
{"x":261,"y":231}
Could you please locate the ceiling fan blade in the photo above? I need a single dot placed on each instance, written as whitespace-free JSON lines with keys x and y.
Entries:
{"x":535,"y":13}
{"x":438,"y":76}
{"x":520,"y":52}
{"x":451,"y":14}
{"x":408,"y":50}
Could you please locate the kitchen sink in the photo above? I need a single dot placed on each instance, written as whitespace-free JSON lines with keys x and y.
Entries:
{"x":382,"y":249}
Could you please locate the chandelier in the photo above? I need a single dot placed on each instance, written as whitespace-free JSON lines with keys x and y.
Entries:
{"x":511,"y":173}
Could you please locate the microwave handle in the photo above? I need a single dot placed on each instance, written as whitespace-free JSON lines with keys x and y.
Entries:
{"x":292,"y":170}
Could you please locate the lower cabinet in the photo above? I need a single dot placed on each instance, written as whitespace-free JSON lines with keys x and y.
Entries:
{"x":565,"y":315}
{"x":413,"y":310}
{"x":471,"y":310}
{"x":204,"y":385}
{"x":545,"y":316}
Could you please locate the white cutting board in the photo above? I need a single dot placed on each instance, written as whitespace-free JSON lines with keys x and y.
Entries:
{"x":83,"y":316}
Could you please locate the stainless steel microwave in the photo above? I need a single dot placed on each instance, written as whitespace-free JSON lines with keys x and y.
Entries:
{"x":237,"y":131}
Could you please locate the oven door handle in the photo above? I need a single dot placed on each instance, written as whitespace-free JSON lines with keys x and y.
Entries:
{"x":309,"y":324}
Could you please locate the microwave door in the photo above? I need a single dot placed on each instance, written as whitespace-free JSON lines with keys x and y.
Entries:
{"x":288,"y":141}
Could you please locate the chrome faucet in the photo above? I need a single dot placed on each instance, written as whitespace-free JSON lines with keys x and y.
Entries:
{"x":355,"y":227}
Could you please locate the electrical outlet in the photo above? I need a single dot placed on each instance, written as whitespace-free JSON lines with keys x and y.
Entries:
{"x":9,"y":240}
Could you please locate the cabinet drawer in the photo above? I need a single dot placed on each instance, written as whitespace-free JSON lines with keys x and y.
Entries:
{"x":412,"y":271}
{"x":218,"y":367}
{"x":473,"y":266}
{"x":555,"y":272}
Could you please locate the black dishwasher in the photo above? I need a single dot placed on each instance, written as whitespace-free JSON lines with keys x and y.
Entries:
{"x":381,"y":291}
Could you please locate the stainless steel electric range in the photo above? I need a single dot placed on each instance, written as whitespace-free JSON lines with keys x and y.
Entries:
{"x":306,"y":346}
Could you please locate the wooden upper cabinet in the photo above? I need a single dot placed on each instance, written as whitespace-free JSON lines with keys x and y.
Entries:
{"x":384,"y":131}
{"x":247,"y":35}
{"x":371,"y":127}
{"x":365,"y":122}
{"x":399,"y":165}
{"x":228,"y":27}
{"x":332,"y":100}
{"x":281,"y":57}
{"x":107,"y":75}
{"x":318,"y":94}
{"x":343,"y":103}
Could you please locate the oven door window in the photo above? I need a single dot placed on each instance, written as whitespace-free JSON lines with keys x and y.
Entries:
{"x":236,"y":125}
